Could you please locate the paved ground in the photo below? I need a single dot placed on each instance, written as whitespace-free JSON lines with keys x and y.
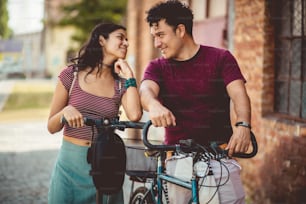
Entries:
{"x":27,"y":156}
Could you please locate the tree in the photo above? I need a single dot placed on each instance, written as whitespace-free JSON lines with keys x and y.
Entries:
{"x":85,"y":14}
{"x":5,"y":31}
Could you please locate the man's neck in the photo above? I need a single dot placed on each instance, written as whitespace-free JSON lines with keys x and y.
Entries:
{"x":188,"y":51}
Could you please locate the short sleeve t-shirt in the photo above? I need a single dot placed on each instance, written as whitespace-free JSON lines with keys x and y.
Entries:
{"x":91,"y":106}
{"x":195,"y":91}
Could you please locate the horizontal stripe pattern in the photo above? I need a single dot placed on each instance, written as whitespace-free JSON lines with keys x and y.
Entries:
{"x":90,"y":105}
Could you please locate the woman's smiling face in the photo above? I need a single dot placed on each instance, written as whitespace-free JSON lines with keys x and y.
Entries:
{"x":115,"y":45}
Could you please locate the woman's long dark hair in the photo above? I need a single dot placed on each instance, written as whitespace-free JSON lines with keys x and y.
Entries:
{"x":91,"y":53}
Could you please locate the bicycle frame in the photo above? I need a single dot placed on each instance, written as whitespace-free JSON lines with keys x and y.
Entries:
{"x":161,"y":176}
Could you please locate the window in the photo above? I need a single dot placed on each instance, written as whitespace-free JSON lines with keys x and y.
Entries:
{"x":203,"y":9}
{"x":290,"y":58}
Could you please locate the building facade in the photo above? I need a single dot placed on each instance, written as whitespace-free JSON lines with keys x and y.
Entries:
{"x":11,"y":58}
{"x":57,"y":39}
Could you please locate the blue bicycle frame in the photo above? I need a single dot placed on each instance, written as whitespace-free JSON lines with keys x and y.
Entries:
{"x":193,"y":185}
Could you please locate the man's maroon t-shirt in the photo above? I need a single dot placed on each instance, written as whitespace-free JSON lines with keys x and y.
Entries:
{"x":195,"y":91}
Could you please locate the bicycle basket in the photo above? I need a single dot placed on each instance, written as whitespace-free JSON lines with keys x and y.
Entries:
{"x":136,"y":159}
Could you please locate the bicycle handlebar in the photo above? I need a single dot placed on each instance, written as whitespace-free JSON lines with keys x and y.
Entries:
{"x":178,"y":146}
{"x":112,"y":123}
{"x":150,"y":145}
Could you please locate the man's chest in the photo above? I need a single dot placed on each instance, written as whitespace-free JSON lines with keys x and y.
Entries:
{"x":196,"y":81}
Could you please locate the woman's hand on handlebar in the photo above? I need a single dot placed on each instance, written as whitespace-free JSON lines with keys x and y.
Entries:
{"x":73,"y":117}
{"x":161,"y":116}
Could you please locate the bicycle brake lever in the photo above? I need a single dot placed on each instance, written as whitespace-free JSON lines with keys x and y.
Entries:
{"x":215,"y":146}
{"x":186,"y":145}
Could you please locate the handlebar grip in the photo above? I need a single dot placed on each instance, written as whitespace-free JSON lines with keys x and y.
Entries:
{"x":103,"y":122}
{"x":150,"y":145}
{"x":63,"y":120}
{"x":87,"y":121}
{"x":254,"y":149}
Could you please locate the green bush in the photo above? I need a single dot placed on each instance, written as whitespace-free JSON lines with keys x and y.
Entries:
{"x":29,"y":96}
{"x":28,"y":101}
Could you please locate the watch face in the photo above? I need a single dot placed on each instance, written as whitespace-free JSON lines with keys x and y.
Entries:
{"x":200,"y":168}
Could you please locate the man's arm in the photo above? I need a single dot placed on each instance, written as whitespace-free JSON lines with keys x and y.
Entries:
{"x":240,"y":112}
{"x":159,"y":115}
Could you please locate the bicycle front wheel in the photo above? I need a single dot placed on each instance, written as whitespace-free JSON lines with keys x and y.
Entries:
{"x":141,"y":196}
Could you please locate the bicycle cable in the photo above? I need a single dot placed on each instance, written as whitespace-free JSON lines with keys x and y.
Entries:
{"x":210,"y":173}
{"x":227,"y":178}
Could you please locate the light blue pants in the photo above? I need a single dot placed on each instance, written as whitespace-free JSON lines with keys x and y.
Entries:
{"x":71,"y":182}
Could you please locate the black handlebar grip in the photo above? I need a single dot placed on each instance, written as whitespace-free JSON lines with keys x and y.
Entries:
{"x":254,"y":149}
{"x":150,"y":145}
{"x":87,"y":121}
{"x":63,"y":120}
{"x":116,"y":124}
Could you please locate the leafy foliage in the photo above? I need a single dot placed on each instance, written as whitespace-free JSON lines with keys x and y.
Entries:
{"x":5,"y":31}
{"x":85,"y":14}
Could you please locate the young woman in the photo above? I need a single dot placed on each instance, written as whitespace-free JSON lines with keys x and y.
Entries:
{"x":103,"y":82}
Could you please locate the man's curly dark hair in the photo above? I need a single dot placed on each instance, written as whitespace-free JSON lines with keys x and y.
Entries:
{"x":174,"y":12}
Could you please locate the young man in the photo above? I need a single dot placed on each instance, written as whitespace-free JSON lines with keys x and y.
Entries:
{"x":195,"y":91}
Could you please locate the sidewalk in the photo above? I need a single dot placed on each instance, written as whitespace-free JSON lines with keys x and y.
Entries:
{"x":27,"y":156}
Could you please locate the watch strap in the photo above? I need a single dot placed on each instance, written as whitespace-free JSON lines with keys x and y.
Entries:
{"x":244,"y":124}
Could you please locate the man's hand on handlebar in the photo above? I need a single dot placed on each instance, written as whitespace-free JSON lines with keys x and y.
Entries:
{"x":240,"y":141}
{"x":161,"y":116}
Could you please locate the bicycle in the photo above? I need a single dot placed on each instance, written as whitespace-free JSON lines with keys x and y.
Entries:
{"x":157,"y":192}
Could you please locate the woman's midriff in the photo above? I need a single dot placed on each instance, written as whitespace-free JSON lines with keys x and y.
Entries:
{"x":77,"y":141}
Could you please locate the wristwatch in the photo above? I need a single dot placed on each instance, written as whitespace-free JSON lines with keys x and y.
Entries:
{"x":244,"y":124}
